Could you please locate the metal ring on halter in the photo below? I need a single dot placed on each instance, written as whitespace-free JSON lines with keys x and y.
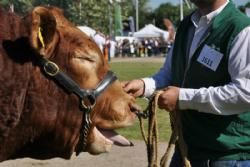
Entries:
{"x":143,"y":114}
{"x":51,"y":68}
{"x":92,"y":102}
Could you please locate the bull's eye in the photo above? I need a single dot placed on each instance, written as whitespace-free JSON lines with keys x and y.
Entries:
{"x":85,"y":59}
{"x":82,"y":56}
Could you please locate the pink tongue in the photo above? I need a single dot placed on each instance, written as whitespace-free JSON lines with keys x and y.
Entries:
{"x":116,"y":138}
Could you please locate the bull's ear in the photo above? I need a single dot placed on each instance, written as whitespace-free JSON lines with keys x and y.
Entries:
{"x":43,"y":36}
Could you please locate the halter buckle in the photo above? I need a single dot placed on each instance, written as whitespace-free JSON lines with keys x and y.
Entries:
{"x":50,"y":68}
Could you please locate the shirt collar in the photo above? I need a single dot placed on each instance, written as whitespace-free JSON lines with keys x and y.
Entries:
{"x":198,"y":20}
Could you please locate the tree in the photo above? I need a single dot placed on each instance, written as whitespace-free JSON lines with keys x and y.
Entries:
{"x":63,"y":4}
{"x":243,"y":8}
{"x":19,"y":6}
{"x":167,"y":10}
{"x":129,"y":10}
{"x":247,"y":5}
{"x":82,"y":12}
{"x":93,"y":13}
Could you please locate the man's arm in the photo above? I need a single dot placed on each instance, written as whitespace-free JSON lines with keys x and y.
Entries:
{"x":161,"y":79}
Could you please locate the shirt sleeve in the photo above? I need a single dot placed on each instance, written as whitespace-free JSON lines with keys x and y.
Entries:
{"x":161,"y":79}
{"x":232,"y":98}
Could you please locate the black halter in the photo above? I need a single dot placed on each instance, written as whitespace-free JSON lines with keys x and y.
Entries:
{"x":87,"y":97}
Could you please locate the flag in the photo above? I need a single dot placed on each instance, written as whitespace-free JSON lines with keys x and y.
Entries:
{"x":247,"y":12}
{"x":118,"y":20}
{"x":131,"y":24}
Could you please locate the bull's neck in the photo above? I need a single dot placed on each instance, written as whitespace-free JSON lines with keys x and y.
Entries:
{"x":11,"y":26}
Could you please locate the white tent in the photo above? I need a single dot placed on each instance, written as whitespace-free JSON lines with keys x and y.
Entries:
{"x":151,"y":31}
{"x":87,"y":30}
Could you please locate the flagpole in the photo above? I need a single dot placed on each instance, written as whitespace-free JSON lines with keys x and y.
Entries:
{"x":110,"y":18}
{"x":181,"y":9}
{"x":137,"y":14}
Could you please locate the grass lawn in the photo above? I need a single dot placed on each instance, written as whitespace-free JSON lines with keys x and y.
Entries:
{"x":133,"y":70}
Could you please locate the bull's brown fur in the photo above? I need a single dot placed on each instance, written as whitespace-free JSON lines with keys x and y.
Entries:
{"x":37,"y":117}
{"x":31,"y":95}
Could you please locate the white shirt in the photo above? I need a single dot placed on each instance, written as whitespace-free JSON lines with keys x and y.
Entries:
{"x":201,"y":24}
{"x":232,"y":98}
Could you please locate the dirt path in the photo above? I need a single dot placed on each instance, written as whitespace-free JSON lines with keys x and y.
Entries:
{"x":118,"y":157}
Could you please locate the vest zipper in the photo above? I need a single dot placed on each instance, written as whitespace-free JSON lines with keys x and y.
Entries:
{"x":189,"y":62}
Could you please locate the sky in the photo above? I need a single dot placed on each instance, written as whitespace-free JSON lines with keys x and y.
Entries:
{"x":156,"y":3}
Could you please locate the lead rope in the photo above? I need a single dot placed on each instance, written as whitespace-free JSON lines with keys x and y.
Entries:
{"x":84,"y":130}
{"x":151,"y":140}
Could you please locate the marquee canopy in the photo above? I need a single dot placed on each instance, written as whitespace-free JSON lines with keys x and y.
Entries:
{"x":151,"y":31}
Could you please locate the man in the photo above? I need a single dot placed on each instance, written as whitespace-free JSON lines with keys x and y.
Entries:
{"x":206,"y":77}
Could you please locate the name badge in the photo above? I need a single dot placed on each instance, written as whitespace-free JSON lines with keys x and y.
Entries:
{"x":210,"y":58}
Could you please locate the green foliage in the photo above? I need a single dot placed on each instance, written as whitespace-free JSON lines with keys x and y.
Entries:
{"x":129,"y":10}
{"x":247,"y":5}
{"x":20,"y":6}
{"x":99,"y":14}
{"x":243,"y":8}
{"x":63,"y":4}
{"x":169,"y":11}
{"x":166,"y":10}
{"x":93,"y":13}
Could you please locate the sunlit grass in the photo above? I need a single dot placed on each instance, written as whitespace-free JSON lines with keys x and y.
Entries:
{"x":133,"y":70}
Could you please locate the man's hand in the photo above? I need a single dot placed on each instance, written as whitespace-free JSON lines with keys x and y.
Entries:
{"x":134,"y":87}
{"x":168,"y":100}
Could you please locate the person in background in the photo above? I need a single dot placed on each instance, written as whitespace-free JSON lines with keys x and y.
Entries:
{"x":125,"y":48}
{"x":106,"y":51}
{"x":99,"y":39}
{"x":170,"y":28}
{"x":132,"y":48}
{"x":112,"y":48}
{"x":206,"y":77}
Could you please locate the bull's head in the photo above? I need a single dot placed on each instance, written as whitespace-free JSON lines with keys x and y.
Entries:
{"x":50,"y":120}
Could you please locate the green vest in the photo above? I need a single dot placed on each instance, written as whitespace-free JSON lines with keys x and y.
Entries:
{"x":211,"y":136}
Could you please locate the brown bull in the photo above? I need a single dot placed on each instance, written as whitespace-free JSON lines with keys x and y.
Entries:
{"x":38,"y":117}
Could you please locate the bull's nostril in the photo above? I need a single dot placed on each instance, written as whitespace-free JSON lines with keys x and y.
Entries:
{"x":134,"y":107}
